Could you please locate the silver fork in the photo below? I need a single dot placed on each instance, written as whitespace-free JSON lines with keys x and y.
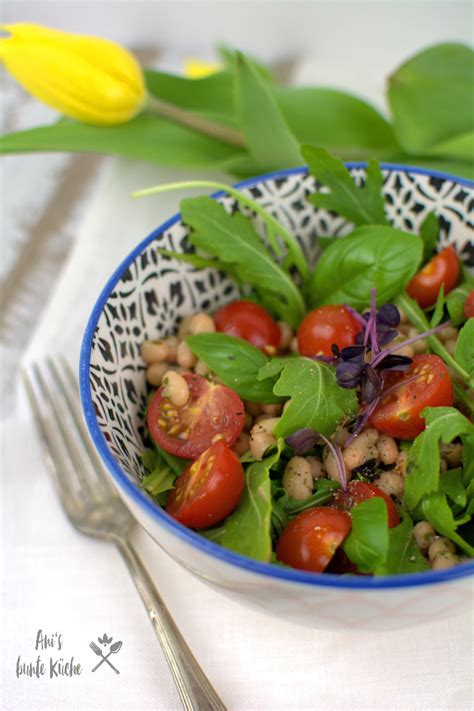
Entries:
{"x":95,"y":509}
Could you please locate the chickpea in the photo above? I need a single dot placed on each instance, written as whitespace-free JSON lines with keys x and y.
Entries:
{"x":273,"y":410}
{"x":440,"y":546}
{"x":260,"y":442}
{"x":387,"y":449}
{"x":154,"y":351}
{"x":390,"y":483}
{"x":362,"y":449}
{"x":155,"y":373}
{"x":424,"y":534}
{"x":184,"y":356}
{"x":317,"y":469}
{"x":452,"y":453}
{"x":297,"y":479}
{"x":176,"y":388}
{"x":242,"y":444}
{"x":202,"y":323}
{"x":444,"y":561}
{"x":286,"y":334}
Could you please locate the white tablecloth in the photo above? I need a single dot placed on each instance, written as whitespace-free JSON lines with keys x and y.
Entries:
{"x":56,"y":581}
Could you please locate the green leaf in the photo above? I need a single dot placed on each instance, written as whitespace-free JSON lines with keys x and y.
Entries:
{"x":403,"y":555}
{"x":456,"y":300}
{"x":367,"y":543}
{"x":435,"y":509}
{"x":236,"y":362}
{"x":438,"y":312}
{"x":451,"y":484}
{"x":325,"y":489}
{"x":317,"y":401}
{"x":176,"y":464}
{"x":268,"y":136}
{"x":145,"y":137}
{"x":248,"y":529}
{"x":371,"y":256}
{"x":339,"y":122}
{"x":361,"y":205}
{"x":429,"y":231}
{"x":430,"y":97}
{"x":464,"y":350}
{"x":443,"y":424}
{"x":234,"y":241}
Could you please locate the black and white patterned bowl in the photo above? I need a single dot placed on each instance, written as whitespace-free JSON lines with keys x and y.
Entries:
{"x":146,"y":297}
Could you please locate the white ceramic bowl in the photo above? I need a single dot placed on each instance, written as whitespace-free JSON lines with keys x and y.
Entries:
{"x":145,"y":298}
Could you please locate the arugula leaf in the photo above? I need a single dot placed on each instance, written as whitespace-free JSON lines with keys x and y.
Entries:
{"x":422,"y":94}
{"x":371,"y":256}
{"x":233,"y":240}
{"x":361,"y":205}
{"x":176,"y":464}
{"x":464,"y":350}
{"x":403,"y":555}
{"x":443,"y":424}
{"x":456,"y":300}
{"x":367,"y":543}
{"x":248,"y":529}
{"x":285,"y":508}
{"x":438,"y":312}
{"x":317,"y":401}
{"x":451,"y":484}
{"x":267,"y":134}
{"x":161,"y":475}
{"x":468,"y":460}
{"x":429,"y":231}
{"x":236,"y":362}
{"x":435,"y":509}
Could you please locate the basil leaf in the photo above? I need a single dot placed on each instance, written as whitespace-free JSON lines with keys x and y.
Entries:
{"x":234,"y":241}
{"x":235,"y":362}
{"x":422,"y":94}
{"x":337,"y":121}
{"x":429,"y":231}
{"x":456,"y":300}
{"x":371,"y":256}
{"x":435,"y":509}
{"x":451,"y":484}
{"x":464,"y":350}
{"x":248,"y":529}
{"x":317,"y":401}
{"x":361,"y":205}
{"x":268,"y":136}
{"x":403,"y":555}
{"x":443,"y":424}
{"x":367,"y":543}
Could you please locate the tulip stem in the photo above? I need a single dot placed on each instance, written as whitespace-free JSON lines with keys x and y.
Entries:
{"x":199,"y":123}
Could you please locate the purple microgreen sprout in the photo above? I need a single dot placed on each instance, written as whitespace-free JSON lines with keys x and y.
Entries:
{"x":408,"y":342}
{"x":303,"y":440}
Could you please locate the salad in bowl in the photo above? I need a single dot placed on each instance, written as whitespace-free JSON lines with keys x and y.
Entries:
{"x":300,"y":403}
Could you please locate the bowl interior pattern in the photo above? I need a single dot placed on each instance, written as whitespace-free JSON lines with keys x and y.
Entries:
{"x":154,"y":292}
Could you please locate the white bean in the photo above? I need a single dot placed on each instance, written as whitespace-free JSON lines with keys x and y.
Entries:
{"x":331,"y":467}
{"x":387,"y":449}
{"x":444,"y":561}
{"x":317,"y":469}
{"x":154,"y":351}
{"x":362,"y":449}
{"x":297,"y":479}
{"x":176,"y":388}
{"x":260,"y":442}
{"x":265,"y":425}
{"x":440,"y":546}
{"x":242,"y":444}
{"x":155,"y":373}
{"x":424,"y":534}
{"x":202,"y":323}
{"x":274,"y":409}
{"x":390,"y":483}
{"x":184,"y":356}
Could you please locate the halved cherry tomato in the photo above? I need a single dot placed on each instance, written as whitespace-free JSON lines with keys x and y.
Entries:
{"x":426,"y":383}
{"x":311,"y":538}
{"x":212,"y":412}
{"x":469,"y":305}
{"x":444,"y":268}
{"x":324,"y":326}
{"x":209,"y":489}
{"x":249,"y":321}
{"x":358,"y":491}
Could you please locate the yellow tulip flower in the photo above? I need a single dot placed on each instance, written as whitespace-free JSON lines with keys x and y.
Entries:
{"x":87,"y":78}
{"x":197,"y":69}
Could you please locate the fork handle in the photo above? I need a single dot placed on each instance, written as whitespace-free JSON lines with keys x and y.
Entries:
{"x":193,"y":686}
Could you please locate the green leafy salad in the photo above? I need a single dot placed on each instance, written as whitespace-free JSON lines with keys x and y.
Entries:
{"x":323,"y":420}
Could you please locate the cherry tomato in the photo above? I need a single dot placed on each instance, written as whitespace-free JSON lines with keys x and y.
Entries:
{"x":341,"y":565}
{"x":358,"y":491}
{"x":323,"y":327}
{"x":469,"y":305}
{"x":209,"y":489}
{"x":311,"y":538}
{"x":444,"y":268}
{"x":398,"y":414}
{"x":249,"y":321}
{"x":212,"y":412}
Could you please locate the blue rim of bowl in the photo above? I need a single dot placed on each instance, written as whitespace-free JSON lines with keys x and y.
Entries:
{"x":143,"y":501}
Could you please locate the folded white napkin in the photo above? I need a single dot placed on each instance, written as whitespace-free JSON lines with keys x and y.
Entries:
{"x":56,"y":581}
